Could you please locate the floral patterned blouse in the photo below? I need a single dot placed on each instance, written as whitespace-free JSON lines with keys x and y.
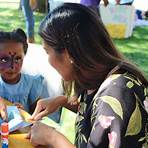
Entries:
{"x":114,"y":115}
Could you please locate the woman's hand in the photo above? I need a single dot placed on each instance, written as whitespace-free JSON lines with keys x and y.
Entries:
{"x":41,"y":134}
{"x":47,"y":106}
{"x":3,"y":109}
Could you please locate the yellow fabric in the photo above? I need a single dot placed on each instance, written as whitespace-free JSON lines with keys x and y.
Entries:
{"x":116,"y":30}
{"x":19,"y":141}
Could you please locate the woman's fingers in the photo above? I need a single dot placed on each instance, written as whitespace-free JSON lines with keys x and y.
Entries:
{"x":41,"y":115}
{"x":29,"y":136}
{"x":36,"y":115}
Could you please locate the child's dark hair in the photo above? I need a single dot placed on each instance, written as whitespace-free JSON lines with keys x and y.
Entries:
{"x":17,"y":35}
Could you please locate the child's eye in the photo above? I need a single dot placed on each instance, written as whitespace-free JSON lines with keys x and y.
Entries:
{"x":4,"y":60}
{"x":18,"y":60}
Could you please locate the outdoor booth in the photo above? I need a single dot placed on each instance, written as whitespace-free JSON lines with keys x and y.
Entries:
{"x":118,"y":19}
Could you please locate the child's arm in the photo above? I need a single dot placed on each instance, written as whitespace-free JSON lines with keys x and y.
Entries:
{"x":3,"y":109}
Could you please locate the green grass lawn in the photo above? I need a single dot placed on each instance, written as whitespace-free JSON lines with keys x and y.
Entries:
{"x":134,"y":48}
{"x":11,"y":17}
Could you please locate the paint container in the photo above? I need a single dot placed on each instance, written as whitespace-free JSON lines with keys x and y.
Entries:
{"x":4,"y":135}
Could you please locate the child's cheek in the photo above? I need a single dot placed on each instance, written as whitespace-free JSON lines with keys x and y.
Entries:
{"x":18,"y":67}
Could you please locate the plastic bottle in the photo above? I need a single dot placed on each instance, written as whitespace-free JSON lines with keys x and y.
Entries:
{"x":4,"y":135}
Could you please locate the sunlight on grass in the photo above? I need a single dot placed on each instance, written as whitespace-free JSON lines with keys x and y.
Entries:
{"x":12,"y":18}
{"x":135,"y":48}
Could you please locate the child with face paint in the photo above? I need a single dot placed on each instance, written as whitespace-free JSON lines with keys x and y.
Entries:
{"x":21,"y":89}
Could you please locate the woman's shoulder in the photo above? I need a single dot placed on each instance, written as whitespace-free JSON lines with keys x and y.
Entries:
{"x":119,"y":90}
{"x":125,"y":80}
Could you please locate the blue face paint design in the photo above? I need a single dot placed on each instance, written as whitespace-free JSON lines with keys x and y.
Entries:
{"x":7,"y":61}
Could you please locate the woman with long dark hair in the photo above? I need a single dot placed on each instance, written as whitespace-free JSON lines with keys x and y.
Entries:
{"x":111,"y":91}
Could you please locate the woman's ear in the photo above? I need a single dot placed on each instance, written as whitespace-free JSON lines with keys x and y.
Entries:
{"x":67,"y":56}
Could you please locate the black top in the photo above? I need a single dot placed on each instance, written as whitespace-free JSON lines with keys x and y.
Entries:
{"x":113,"y":116}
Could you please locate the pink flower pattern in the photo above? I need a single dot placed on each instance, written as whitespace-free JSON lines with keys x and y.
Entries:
{"x":146,"y":104}
{"x":105,"y":121}
{"x":112,"y":139}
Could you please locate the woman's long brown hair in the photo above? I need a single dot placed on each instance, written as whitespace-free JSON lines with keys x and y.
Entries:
{"x":75,"y":28}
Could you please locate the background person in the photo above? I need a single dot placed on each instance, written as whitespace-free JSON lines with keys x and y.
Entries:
{"x":29,"y":20}
{"x":93,"y":4}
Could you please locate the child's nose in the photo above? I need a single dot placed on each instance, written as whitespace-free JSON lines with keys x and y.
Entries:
{"x":12,"y":64}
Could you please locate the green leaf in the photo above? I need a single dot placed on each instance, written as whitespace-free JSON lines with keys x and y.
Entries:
{"x":141,"y":139}
{"x":133,"y":80}
{"x":134,"y":125}
{"x":115,"y":76}
{"x":84,"y":138}
{"x":129,"y":84}
{"x":115,"y":105}
{"x":145,"y":91}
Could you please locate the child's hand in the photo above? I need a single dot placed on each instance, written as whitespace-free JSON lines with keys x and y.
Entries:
{"x":3,"y":109}
{"x":19,"y":105}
